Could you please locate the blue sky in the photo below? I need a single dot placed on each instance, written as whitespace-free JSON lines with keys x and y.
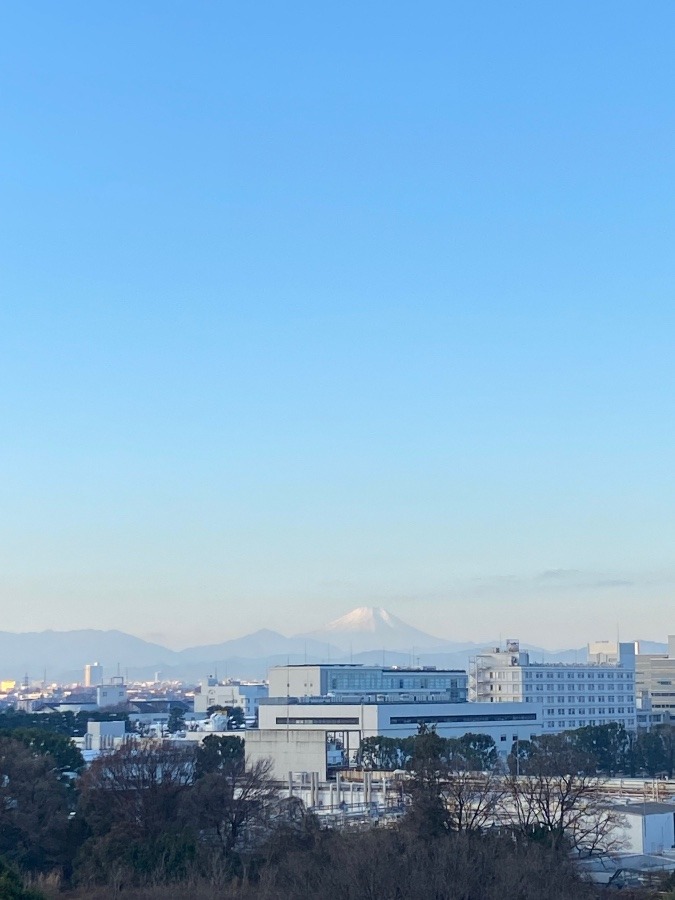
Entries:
{"x":304,"y":308}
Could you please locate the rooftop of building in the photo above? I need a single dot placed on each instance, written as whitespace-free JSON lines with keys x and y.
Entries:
{"x":365,"y":666}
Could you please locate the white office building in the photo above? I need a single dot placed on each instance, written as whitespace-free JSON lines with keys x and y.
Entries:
{"x":345,"y":723}
{"x":370,"y":684}
{"x":569,"y":696}
{"x":244,"y":694}
{"x":655,"y":681}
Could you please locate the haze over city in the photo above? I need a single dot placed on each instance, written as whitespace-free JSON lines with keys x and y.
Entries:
{"x":305,"y":310}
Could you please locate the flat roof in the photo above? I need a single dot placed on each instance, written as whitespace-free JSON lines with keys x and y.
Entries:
{"x":421,"y":669}
{"x":650,"y":808}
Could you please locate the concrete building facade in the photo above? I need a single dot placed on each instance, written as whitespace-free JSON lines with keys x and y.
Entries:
{"x":93,"y":674}
{"x":244,"y":694}
{"x":369,"y":683}
{"x":346,"y":724}
{"x":569,"y":696}
{"x":655,"y":680}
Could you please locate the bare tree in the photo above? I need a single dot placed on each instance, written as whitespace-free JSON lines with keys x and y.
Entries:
{"x":137,"y":785}
{"x":472,"y":800}
{"x":233,"y":803}
{"x":564,"y":810}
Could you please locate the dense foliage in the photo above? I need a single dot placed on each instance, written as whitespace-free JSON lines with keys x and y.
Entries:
{"x":163,"y":819}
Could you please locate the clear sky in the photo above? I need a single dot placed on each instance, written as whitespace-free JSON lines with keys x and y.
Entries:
{"x":309,"y":306}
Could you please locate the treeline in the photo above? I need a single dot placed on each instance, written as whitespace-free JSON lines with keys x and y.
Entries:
{"x":69,"y":724}
{"x":607,"y":750}
{"x":160,"y":819}
{"x":164,"y":820}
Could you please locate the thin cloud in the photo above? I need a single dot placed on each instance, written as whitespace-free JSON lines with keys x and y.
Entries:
{"x":559,"y":575}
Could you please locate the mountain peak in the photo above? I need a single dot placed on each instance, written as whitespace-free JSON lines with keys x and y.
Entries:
{"x":373,"y":628}
{"x":364,"y":618}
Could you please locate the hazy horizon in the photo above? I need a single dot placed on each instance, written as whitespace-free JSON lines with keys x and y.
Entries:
{"x":304,"y":309}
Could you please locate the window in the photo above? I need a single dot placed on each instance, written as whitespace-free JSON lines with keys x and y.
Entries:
{"x":503,"y":737}
{"x":467,"y":717}
{"x":297,"y":720}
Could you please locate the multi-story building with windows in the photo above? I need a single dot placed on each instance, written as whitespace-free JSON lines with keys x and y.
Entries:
{"x":374,"y":684}
{"x":569,"y":696}
{"x":655,"y":681}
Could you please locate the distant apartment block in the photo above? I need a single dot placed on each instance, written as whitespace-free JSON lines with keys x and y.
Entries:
{"x":93,"y":674}
{"x":569,"y":696}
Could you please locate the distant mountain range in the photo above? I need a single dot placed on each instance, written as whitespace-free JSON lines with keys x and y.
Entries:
{"x":368,"y":635}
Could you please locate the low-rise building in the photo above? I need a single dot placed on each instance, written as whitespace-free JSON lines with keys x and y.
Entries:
{"x":244,"y":694}
{"x":345,"y":724}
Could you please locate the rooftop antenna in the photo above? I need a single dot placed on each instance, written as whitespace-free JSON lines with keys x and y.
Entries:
{"x":305,"y":652}
{"x":351,"y":655}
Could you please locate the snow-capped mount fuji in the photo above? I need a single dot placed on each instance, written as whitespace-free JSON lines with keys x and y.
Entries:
{"x":373,"y":628}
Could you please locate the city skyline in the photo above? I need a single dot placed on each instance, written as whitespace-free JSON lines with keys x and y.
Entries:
{"x":305,"y":310}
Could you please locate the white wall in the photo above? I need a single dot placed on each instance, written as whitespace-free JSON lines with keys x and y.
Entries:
{"x":294,"y":751}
